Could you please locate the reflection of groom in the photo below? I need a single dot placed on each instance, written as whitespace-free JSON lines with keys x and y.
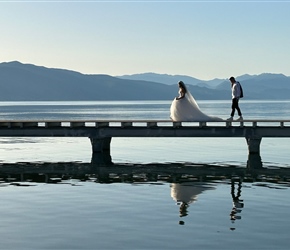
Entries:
{"x":237,"y":203}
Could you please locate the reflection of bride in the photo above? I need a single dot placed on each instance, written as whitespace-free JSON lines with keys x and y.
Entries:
{"x":186,"y":193}
{"x":184,"y":108}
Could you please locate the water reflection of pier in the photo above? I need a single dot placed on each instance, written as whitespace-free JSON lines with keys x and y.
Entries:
{"x":131,"y":173}
{"x":187,"y":180}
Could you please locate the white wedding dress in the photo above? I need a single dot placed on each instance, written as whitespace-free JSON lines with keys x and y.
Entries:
{"x":187,"y":110}
{"x":187,"y":192}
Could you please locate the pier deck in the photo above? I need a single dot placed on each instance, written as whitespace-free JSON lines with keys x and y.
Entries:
{"x":101,"y":132}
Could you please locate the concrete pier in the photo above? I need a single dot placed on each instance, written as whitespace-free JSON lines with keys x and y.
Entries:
{"x":101,"y":132}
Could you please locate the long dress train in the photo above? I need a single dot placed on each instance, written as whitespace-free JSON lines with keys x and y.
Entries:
{"x":186,"y":109}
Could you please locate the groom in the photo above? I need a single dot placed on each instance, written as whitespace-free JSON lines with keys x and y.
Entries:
{"x":236,"y":94}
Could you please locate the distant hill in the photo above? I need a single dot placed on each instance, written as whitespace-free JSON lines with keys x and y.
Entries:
{"x":27,"y":82}
{"x":172,"y":79}
{"x":263,"y":86}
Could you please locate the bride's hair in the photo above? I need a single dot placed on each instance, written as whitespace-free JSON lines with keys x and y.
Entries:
{"x":182,"y":85}
{"x":188,"y":95}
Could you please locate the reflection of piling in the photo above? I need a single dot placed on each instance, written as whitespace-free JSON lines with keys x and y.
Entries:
{"x":254,"y":144}
{"x":101,"y":158}
{"x":101,"y":144}
{"x":254,"y":161}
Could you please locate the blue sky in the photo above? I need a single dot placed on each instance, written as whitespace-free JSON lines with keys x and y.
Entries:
{"x":203,"y":39}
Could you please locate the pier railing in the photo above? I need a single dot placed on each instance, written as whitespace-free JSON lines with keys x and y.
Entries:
{"x":129,"y":123}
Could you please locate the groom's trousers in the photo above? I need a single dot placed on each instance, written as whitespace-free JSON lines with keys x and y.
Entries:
{"x":235,"y":106}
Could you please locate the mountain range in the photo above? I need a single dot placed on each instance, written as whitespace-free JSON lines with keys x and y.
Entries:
{"x":28,"y":82}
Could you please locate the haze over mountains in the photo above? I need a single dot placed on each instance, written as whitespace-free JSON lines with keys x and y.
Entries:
{"x":27,"y":82}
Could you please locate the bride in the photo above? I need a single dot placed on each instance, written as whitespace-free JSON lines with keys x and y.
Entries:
{"x":184,"y":108}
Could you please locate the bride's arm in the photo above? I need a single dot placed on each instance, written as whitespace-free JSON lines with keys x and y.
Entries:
{"x":182,"y":94}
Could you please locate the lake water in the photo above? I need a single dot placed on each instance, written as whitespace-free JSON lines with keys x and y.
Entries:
{"x":159,"y":193}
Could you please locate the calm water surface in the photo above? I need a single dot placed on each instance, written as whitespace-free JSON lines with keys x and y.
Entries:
{"x":159,"y":193}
